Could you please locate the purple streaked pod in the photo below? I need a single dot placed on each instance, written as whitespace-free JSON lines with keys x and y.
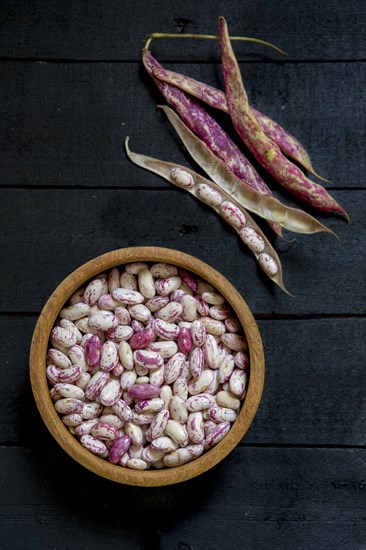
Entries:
{"x":137,"y":326}
{"x":148,"y":358}
{"x":196,"y":362}
{"x":119,"y":333}
{"x":140,"y":340}
{"x":113,"y":279}
{"x":166,"y":286}
{"x":200,"y":402}
{"x":108,"y":356}
{"x":165,"y":444}
{"x":135,"y":267}
{"x":71,"y":374}
{"x":227,"y":400}
{"x":182,"y":456}
{"x":166,"y":348}
{"x":222,"y":414}
{"x":127,"y":379}
{"x":111,"y":418}
{"x":220,"y":313}
{"x":118,"y":370}
{"x":198,"y":333}
{"x":144,"y":391}
{"x":123,"y":315}
{"x":75,"y":311}
{"x":177,"y":295}
{"x":156,"y":303}
{"x":69,"y":390}
{"x":210,"y":352}
{"x":126,"y":296}
{"x":202,"y":307}
{"x":119,"y":447}
{"x":157,"y":376}
{"x":77,"y":357}
{"x":135,"y":432}
{"x":58,"y":358}
{"x":209,"y":425}
{"x":232,"y":324}
{"x":217,"y":434}
{"x":128,"y":280}
{"x":96,"y":384}
{"x":177,"y":432}
{"x":202,"y":383}
{"x":93,"y":348}
{"x":140,"y":313}
{"x":170,"y":313}
{"x":195,"y":427}
{"x":226,"y":368}
{"x":125,"y":355}
{"x":241,"y":360}
{"x":69,"y":405}
{"x":104,"y":431}
{"x":180,"y":388}
{"x":53,"y":372}
{"x":189,"y":305}
{"x":91,"y":410}
{"x":149,"y":454}
{"x":94,"y":445}
{"x":167,"y":331}
{"x":158,"y":425}
{"x":122,"y":410}
{"x":93,"y":292}
{"x":111,"y":392}
{"x":178,"y":410}
{"x":64,"y":337}
{"x":155,"y":404}
{"x":173,"y":367}
{"x":85,"y":427}
{"x":161,"y":270}
{"x":185,"y":340}
{"x":107,"y":302}
{"x":234,"y":341}
{"x":212,"y":326}
{"x":237,"y":382}
{"x":188,"y":279}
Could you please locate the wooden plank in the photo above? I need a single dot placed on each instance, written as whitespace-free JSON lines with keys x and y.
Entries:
{"x":58,"y":230}
{"x":256,"y":498}
{"x":114,"y":30}
{"x":65,"y":124}
{"x":314,"y":388}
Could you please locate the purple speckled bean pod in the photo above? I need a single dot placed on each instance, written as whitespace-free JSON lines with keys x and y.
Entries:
{"x":217,"y":434}
{"x":92,"y":351}
{"x":167,"y":331}
{"x":119,"y":447}
{"x":185,"y":340}
{"x":140,"y":340}
{"x":144,"y":391}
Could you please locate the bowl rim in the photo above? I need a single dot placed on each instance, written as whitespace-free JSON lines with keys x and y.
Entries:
{"x":39,"y":384}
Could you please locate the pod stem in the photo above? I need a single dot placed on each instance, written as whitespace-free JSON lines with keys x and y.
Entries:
{"x":211,"y":37}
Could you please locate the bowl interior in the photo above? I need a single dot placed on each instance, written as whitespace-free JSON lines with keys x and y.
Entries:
{"x":40,"y":385}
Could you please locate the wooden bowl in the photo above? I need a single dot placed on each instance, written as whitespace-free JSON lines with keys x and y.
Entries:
{"x":68,"y":442}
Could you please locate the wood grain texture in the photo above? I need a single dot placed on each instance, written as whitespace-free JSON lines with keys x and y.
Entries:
{"x":65,"y":124}
{"x":40,"y":345}
{"x":313,"y":394}
{"x":268,"y":498}
{"x":114,"y":29}
{"x":69,"y":227}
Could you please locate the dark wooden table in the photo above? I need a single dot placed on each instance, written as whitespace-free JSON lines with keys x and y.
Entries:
{"x":72,"y":88}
